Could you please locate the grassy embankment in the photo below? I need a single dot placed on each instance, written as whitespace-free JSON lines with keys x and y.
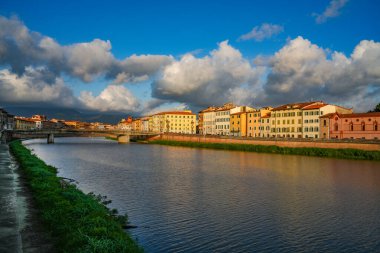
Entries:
{"x":321,"y":152}
{"x":110,"y":138}
{"x":78,"y":222}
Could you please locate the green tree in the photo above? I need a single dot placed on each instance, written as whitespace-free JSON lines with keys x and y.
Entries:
{"x":376,"y":109}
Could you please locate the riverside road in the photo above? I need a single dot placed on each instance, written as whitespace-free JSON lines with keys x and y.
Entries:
{"x":19,"y":229}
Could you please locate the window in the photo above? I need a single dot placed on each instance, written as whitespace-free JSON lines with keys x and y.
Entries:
{"x":375,"y":126}
{"x":363,"y":126}
{"x":324,"y":122}
{"x":336,"y":128}
{"x":351,"y":127}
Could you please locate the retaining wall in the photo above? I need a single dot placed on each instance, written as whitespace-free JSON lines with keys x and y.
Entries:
{"x":269,"y":142}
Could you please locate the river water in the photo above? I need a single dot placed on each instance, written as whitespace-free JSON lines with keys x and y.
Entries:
{"x":199,"y":200}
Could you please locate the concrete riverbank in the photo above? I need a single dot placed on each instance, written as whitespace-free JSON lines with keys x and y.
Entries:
{"x":20,"y":228}
{"x":289,"y":143}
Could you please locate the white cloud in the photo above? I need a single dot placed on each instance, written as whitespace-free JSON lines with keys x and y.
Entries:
{"x":20,"y":48}
{"x":259,"y":33}
{"x":35,"y":86}
{"x":112,"y":98}
{"x":332,"y":10}
{"x":301,"y":71}
{"x":212,"y":79}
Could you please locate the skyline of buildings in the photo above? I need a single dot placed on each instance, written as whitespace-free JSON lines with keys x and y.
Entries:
{"x":312,"y":119}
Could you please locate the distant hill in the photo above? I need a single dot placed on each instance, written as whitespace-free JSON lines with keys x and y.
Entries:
{"x":65,"y":113}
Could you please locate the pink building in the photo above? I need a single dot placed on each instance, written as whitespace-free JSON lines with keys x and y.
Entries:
{"x":350,"y":126}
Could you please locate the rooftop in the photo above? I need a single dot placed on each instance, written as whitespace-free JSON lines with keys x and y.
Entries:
{"x":300,"y":105}
{"x":353,"y":115}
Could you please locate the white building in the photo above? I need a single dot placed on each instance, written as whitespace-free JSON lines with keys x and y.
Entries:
{"x":209,"y":122}
{"x":145,"y":124}
{"x":311,"y":114}
{"x":222,"y":121}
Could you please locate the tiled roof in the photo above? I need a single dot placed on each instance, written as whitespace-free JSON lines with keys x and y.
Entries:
{"x":353,"y":115}
{"x":176,"y":112}
{"x":312,"y":107}
{"x":295,"y":106}
{"x":238,"y":113}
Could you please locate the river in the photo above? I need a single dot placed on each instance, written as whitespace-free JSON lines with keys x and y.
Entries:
{"x":200,"y":200}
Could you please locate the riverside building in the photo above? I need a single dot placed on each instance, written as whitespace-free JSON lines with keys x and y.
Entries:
{"x":183,"y":122}
{"x":350,"y":126}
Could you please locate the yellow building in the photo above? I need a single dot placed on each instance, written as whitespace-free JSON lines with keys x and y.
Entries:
{"x":175,"y":122}
{"x":255,"y":122}
{"x":265,"y":126}
{"x":286,"y":120}
{"x":238,"y":124}
{"x":24,"y":124}
{"x":136,"y":125}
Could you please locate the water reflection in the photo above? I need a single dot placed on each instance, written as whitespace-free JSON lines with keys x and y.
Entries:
{"x":198,"y":200}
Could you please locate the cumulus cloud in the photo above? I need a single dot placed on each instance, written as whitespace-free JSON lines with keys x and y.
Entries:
{"x":20,"y":48}
{"x":332,"y":10}
{"x":212,"y":79}
{"x":35,"y":86}
{"x":260,"y":33}
{"x":301,"y":71}
{"x":112,"y":98}
{"x":31,"y":68}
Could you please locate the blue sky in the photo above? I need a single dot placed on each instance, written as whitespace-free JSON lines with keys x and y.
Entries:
{"x":174,"y":28}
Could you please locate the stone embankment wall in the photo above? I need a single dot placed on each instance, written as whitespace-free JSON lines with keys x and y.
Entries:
{"x":301,"y":143}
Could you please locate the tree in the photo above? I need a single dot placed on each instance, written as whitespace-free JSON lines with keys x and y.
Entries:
{"x":376,"y":109}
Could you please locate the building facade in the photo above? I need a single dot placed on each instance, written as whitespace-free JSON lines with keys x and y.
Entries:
{"x":6,"y":120}
{"x":311,"y":117}
{"x":209,"y":116}
{"x":24,"y":124}
{"x":350,"y":126}
{"x":222,"y":119}
{"x":287,"y":120}
{"x":255,"y":122}
{"x":183,"y":122}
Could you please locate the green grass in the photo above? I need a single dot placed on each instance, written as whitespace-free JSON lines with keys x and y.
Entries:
{"x":111,"y":138}
{"x":78,"y":222}
{"x":346,"y":153}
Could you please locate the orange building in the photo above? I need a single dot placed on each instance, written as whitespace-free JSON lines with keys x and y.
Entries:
{"x":238,"y":124}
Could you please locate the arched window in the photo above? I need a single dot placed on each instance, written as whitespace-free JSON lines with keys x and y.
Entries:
{"x":363,"y":126}
{"x":336,"y":128}
{"x":351,"y":126}
{"x":375,"y":128}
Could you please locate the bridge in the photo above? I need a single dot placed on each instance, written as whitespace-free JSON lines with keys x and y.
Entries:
{"x":49,"y":134}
